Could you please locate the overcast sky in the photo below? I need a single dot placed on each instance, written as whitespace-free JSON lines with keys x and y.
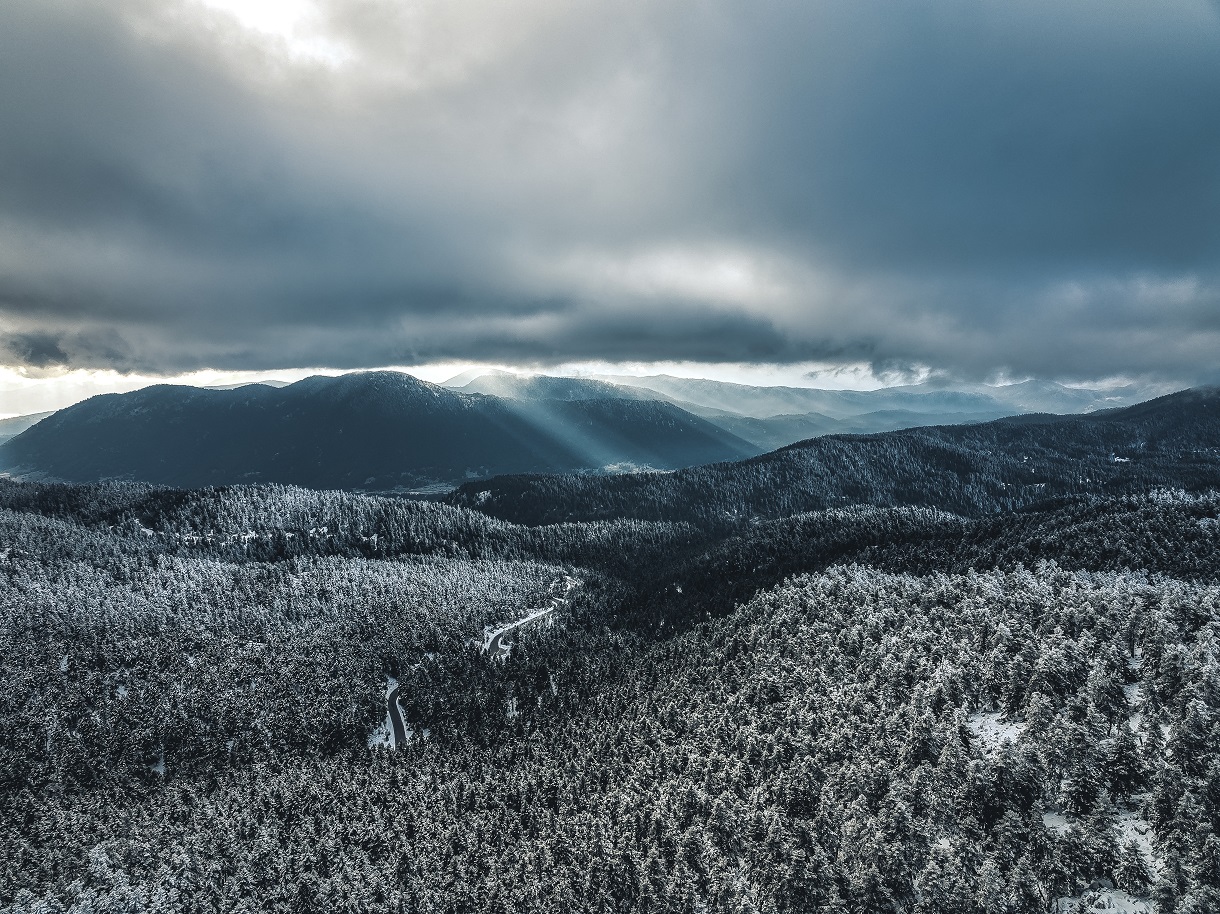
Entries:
{"x":980,"y":189}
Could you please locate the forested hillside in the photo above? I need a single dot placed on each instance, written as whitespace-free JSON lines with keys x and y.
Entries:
{"x":15,"y":425}
{"x":881,"y":709}
{"x":774,"y":417}
{"x":378,"y":431}
{"x":967,"y":469}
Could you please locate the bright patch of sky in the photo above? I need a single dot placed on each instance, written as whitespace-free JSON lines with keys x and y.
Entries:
{"x":250,"y":183}
{"x":293,"y":26}
{"x":23,"y":393}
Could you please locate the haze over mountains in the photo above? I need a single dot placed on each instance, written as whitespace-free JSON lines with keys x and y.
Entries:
{"x":375,"y":430}
{"x":970,"y":470}
{"x":15,"y":425}
{"x":391,"y":431}
{"x":927,"y":397}
{"x":772,"y":417}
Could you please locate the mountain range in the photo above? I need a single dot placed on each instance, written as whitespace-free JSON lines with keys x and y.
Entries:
{"x":772,"y":417}
{"x":375,"y":430}
{"x":970,"y":470}
{"x":15,"y":425}
{"x":389,"y":431}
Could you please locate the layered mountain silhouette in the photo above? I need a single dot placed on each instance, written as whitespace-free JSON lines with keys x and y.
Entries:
{"x":391,"y":431}
{"x":375,"y":430}
{"x":773,"y":417}
{"x":1003,"y":465}
{"x":545,"y":387}
{"x":928,"y":398}
{"x":15,"y":425}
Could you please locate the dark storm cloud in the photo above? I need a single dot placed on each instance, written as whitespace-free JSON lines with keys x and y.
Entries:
{"x":1026,"y":187}
{"x":1020,"y":136}
{"x":38,"y":350}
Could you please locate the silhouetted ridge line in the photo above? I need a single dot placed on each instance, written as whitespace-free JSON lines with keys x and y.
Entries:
{"x":969,"y":470}
{"x":375,"y":430}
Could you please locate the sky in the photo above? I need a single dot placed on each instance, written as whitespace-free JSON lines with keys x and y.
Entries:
{"x":831,"y":192}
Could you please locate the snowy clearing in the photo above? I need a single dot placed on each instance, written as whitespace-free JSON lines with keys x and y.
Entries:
{"x":1131,"y":827}
{"x":1112,"y":901}
{"x":1056,"y":822}
{"x":992,"y":732}
{"x":1135,"y":698}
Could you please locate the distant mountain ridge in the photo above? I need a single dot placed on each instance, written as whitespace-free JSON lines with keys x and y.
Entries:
{"x":927,"y":397}
{"x":773,"y":417}
{"x":374,"y":430}
{"x":546,"y":387}
{"x":391,"y":431}
{"x":15,"y":425}
{"x":972,"y":470}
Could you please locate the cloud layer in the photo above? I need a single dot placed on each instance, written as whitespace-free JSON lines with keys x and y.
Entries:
{"x":1031,"y":188}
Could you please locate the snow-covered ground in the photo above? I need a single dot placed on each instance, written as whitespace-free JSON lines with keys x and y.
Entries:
{"x":1135,"y":700}
{"x":1104,"y":901}
{"x":1056,"y":822}
{"x":1129,"y":827}
{"x":383,"y":736}
{"x":494,"y":639}
{"x":992,"y":731}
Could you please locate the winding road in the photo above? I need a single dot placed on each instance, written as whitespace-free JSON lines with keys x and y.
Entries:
{"x":493,"y":644}
{"x":394,"y":709}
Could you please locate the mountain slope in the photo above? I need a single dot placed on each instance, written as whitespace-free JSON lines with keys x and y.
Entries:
{"x":774,"y":417}
{"x":846,"y":707}
{"x":749,"y":412}
{"x":775,"y":432}
{"x":545,"y":387}
{"x":966,"y":469}
{"x":15,"y":425}
{"x":987,"y":401}
{"x":375,"y":430}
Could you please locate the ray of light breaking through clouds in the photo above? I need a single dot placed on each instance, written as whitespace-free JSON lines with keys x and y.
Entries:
{"x":975,"y":189}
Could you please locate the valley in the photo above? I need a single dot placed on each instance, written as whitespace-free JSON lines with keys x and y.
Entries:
{"x":583,"y":458}
{"x":954,"y":669}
